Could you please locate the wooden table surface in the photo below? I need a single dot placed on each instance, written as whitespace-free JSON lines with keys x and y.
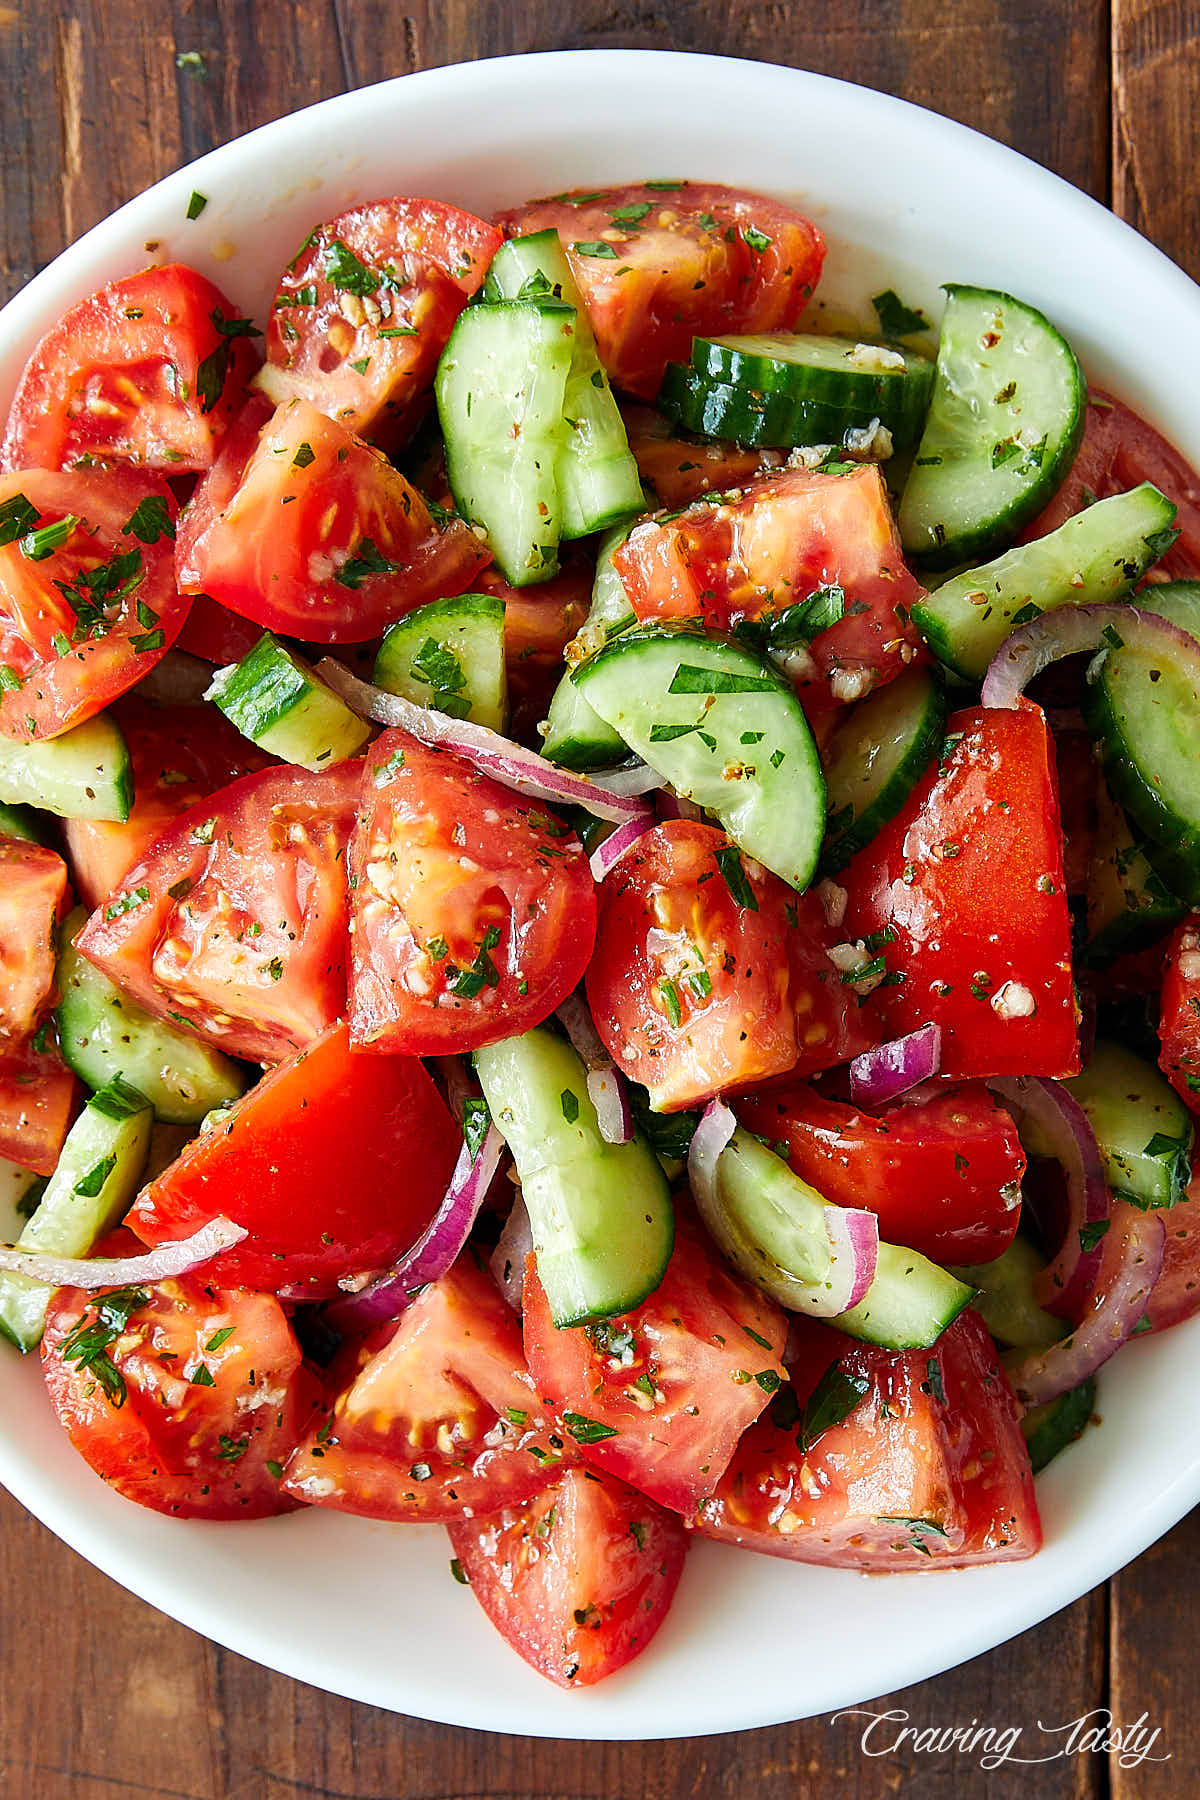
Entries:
{"x":99,"y":1695}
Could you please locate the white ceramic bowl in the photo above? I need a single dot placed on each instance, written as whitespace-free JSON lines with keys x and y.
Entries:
{"x":908,"y":200}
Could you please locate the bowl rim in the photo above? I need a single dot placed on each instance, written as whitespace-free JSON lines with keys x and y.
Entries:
{"x":21,"y":320}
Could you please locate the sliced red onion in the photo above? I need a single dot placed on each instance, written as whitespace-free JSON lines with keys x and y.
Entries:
{"x":458,"y":1084}
{"x":508,"y":1259}
{"x":509,"y":763}
{"x":1129,"y":1267}
{"x":890,"y":1069}
{"x":178,"y":680}
{"x":1070,"y":630}
{"x":673,"y":806}
{"x":434,"y":1251}
{"x":177,"y":1257}
{"x":852,"y":1232}
{"x":639,"y":779}
{"x":605,"y":1083}
{"x":606,"y":855}
{"x":1061,"y":1123}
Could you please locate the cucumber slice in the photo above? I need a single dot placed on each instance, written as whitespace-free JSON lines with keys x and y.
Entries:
{"x":743,"y":415}
{"x":22,"y":822}
{"x":500,"y":389}
{"x":598,"y":477}
{"x":859,"y":381}
{"x":1004,"y":425}
{"x":774,"y":1232}
{"x":1142,"y":1126}
{"x":277,"y":700}
{"x":96,"y":1179}
{"x":84,"y":774}
{"x":1096,"y":556}
{"x":601,"y":1213}
{"x":725,"y":730}
{"x":875,"y":760}
{"x":576,"y":735}
{"x":1144,"y":709}
{"x":1005,"y":1302}
{"x":1128,"y":903}
{"x":20,"y":1191}
{"x":104,"y":1033}
{"x":449,"y":655}
{"x":1050,"y":1429}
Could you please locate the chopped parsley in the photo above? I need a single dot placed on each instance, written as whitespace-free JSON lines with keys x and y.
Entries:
{"x":896,"y":320}
{"x":569,"y":1103}
{"x":736,"y":880}
{"x":149,"y":521}
{"x":88,"y":1344}
{"x":210,"y":376}
{"x":483,"y":971}
{"x":368,"y":560}
{"x":475,"y":1121}
{"x":196,"y":204}
{"x":595,"y":248}
{"x":585,"y":1430}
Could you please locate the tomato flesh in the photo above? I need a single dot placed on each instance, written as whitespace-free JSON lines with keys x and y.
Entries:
{"x":64,"y":655}
{"x":37,"y":1094}
{"x":438,"y":1418}
{"x":963,"y":896}
{"x":658,"y":263}
{"x":929,"y":1468}
{"x":200,"y":1395}
{"x":234,"y":921}
{"x":474,"y":911}
{"x":148,"y":371}
{"x":539,"y":623}
{"x":943,"y":1176}
{"x":788,"y":535}
{"x":578,"y":1579}
{"x":661,"y":1395}
{"x":306,"y":529}
{"x":680,"y":471}
{"x":363,"y":312}
{"x":33,"y":898}
{"x":689,"y":990}
{"x":216,"y":634}
{"x":1179,"y":1019}
{"x":335,"y":1163}
{"x":1176,"y":1293}
{"x":179,"y":755}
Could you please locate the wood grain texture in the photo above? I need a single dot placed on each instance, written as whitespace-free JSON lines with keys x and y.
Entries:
{"x":99,"y":1695}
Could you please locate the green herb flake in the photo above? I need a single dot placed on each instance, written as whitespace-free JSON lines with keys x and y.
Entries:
{"x":367,"y":560}
{"x":305,"y":454}
{"x":230,"y":1449}
{"x":569,"y":1103}
{"x":149,"y":521}
{"x":219,"y":1338}
{"x":757,"y":240}
{"x":833,"y":1399}
{"x":737,"y":881}
{"x":127,"y":902}
{"x":17,"y":518}
{"x":37,"y":545}
{"x":595,"y":248}
{"x":690,"y":679}
{"x":483,"y":971}
{"x":1091,"y":1234}
{"x":1162,"y":1145}
{"x":88,"y":1345}
{"x":202,"y":1376}
{"x":344,"y":271}
{"x":896,"y":320}
{"x":585,"y":1430}
{"x":631,"y":215}
{"x":670,"y":999}
{"x":458,"y":1572}
{"x":89,"y":1185}
{"x":196,"y":204}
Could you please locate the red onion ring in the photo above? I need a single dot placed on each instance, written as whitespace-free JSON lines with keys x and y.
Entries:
{"x":887,"y":1070}
{"x":458,"y":1085}
{"x":607,"y":855}
{"x":1129,"y":1267}
{"x":638,"y":779}
{"x":434,"y":1251}
{"x":852,"y":1233}
{"x":508,"y":1259}
{"x":673,"y":806}
{"x":1063,"y":1285}
{"x":1070,"y":630}
{"x":506,"y":762}
{"x":605,"y":1083}
{"x":178,"y":1257}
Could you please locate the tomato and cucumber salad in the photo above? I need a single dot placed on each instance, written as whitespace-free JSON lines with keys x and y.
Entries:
{"x":566,"y":959}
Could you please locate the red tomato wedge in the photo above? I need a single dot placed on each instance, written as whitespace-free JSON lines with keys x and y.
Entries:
{"x":148,"y":371}
{"x":474,"y":910}
{"x":1176,"y":1293}
{"x":689,"y":989}
{"x":660,"y":262}
{"x":926,"y":1467}
{"x":661,"y":1395}
{"x":216,"y":634}
{"x":578,"y":1579}
{"x":944,"y":1176}
{"x":179,"y":755}
{"x":186,"y":1396}
{"x":680,"y":471}
{"x":1119,"y":450}
{"x":438,"y":1418}
{"x":833,"y":1023}
{"x":539,"y":623}
{"x":335,"y":1163}
{"x":307,"y":530}
{"x":33,"y":898}
{"x":788,"y":535}
{"x":363,"y":312}
{"x":963,"y":895}
{"x":235,"y":919}
{"x":1179,"y":1019}
{"x":37,"y":1093}
{"x":88,"y":602}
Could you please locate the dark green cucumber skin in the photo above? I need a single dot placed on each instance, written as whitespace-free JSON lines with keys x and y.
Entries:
{"x":1148,"y":909}
{"x":842,"y":846}
{"x":849,"y":396}
{"x":746,"y":415}
{"x":993,"y":532}
{"x":24,"y":823}
{"x":1064,"y":1422}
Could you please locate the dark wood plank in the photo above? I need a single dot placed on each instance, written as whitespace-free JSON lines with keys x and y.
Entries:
{"x":1156,"y":77}
{"x":101,"y":1695}
{"x":1153,"y":1650}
